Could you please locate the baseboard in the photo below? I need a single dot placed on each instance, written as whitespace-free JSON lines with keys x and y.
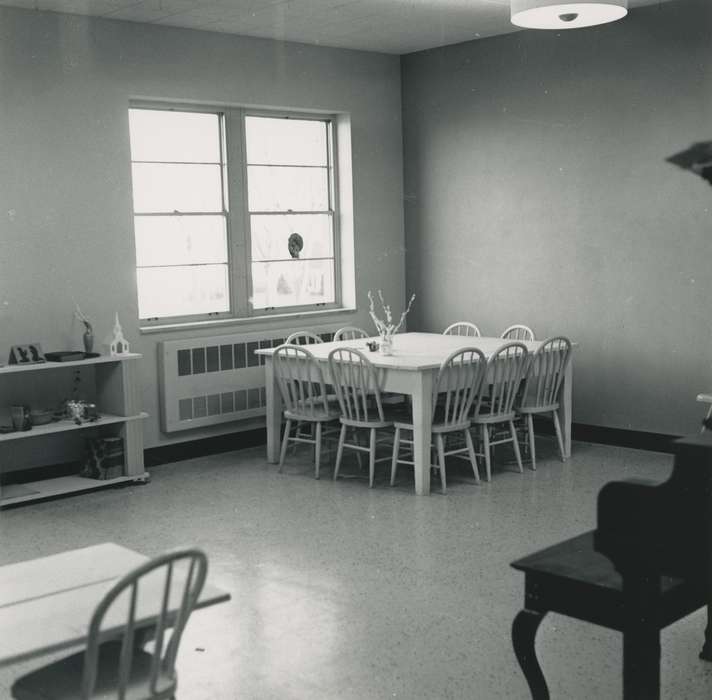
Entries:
{"x":192,"y":449}
{"x":616,"y":437}
{"x":175,"y":452}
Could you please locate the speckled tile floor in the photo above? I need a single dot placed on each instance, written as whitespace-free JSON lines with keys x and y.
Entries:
{"x":339,"y":591}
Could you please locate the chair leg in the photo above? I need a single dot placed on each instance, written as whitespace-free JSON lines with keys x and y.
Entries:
{"x":441,"y":460}
{"x":317,"y":449}
{"x":358,"y":452}
{"x":559,"y":437}
{"x":530,"y":433}
{"x":473,"y":457}
{"x":486,"y":450}
{"x":372,"y":458}
{"x":394,"y":460}
{"x":339,"y":451}
{"x":513,"y":432}
{"x":285,"y":441}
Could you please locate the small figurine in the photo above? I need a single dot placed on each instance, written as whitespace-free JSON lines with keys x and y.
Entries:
{"x":118,"y":344}
{"x":88,"y":336}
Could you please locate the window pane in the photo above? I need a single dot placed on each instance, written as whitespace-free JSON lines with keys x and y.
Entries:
{"x":181,"y":291}
{"x":180,"y":240}
{"x":285,"y":141}
{"x":292,"y":283}
{"x":169,"y":188}
{"x":174,"y":136}
{"x":273,"y":236}
{"x":282,"y":189}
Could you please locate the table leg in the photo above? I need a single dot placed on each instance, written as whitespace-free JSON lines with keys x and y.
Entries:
{"x":565,"y":416}
{"x":524,"y":628}
{"x":274,"y":412}
{"x":422,"y":422}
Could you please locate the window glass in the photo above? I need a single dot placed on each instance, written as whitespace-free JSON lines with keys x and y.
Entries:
{"x":279,"y":141}
{"x":174,"y":137}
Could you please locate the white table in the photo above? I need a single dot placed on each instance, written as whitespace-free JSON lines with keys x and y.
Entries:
{"x":46,"y":603}
{"x":410,"y":370}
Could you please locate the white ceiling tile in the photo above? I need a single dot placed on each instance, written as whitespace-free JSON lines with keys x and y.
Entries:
{"x":388,"y":26}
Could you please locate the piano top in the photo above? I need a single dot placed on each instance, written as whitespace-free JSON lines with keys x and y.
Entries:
{"x":576,"y":560}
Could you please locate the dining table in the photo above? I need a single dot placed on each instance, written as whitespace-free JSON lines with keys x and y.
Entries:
{"x":411,"y":369}
{"x":46,"y":603}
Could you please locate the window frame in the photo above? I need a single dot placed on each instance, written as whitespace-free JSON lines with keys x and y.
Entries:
{"x":233,"y":140}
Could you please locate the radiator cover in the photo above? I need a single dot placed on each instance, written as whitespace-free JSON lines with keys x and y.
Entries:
{"x":216,"y":379}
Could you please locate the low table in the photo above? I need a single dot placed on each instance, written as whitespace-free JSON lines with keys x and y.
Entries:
{"x":46,"y":603}
{"x":573,"y":579}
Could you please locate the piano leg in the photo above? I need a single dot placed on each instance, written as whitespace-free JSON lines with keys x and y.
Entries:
{"x":706,"y":653}
{"x":524,"y":630}
{"x":641,"y":662}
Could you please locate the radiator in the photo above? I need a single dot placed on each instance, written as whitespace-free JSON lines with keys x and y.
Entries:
{"x":212,"y":380}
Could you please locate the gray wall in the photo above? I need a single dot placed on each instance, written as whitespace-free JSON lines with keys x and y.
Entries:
{"x":65,"y":198}
{"x":537,"y":191}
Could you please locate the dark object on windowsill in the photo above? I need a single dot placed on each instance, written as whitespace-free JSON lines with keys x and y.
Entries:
{"x":372,"y":345}
{"x":70,"y":356}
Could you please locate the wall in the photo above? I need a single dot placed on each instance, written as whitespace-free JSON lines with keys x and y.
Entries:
{"x":65,"y":196}
{"x":537,"y":191}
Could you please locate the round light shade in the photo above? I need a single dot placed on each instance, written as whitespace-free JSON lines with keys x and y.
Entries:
{"x":550,"y":14}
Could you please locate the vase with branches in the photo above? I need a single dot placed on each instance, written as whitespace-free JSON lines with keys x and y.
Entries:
{"x":88,"y":336}
{"x":386,"y":327}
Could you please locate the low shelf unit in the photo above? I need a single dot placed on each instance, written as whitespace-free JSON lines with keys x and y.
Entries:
{"x":115,"y":392}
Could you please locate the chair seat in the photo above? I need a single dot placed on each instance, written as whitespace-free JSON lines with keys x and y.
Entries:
{"x":62,"y":679}
{"x":539,"y":409}
{"x":488,"y":419}
{"x":318,"y":415}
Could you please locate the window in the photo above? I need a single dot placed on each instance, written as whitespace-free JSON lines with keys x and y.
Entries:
{"x":234,"y":213}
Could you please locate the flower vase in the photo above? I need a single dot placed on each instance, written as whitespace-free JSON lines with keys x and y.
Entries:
{"x":386,"y":345}
{"x":88,"y":338}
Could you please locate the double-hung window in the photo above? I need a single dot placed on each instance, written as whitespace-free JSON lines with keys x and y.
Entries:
{"x":234,"y":213}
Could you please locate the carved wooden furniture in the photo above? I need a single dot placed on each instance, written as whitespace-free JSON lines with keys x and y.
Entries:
{"x":350,"y":333}
{"x":518,"y":332}
{"x":463,"y":328}
{"x":646,"y":565}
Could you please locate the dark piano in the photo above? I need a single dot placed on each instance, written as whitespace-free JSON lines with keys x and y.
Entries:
{"x":647,"y":564}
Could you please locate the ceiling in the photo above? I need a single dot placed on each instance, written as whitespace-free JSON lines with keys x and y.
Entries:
{"x":387,"y":26}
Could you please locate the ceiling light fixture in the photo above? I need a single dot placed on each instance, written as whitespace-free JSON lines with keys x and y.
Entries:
{"x":550,"y":14}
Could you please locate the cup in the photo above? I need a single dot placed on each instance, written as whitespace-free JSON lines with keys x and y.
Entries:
{"x":20,"y":417}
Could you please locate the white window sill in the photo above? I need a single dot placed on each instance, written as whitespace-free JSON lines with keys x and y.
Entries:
{"x":221,"y":322}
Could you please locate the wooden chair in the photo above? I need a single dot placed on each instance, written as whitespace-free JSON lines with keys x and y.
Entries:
{"x":303,"y":338}
{"x":359,"y":395}
{"x":463,"y":328}
{"x":114,"y":664}
{"x":518,"y":332}
{"x":303,"y":391}
{"x":458,"y":384}
{"x":506,"y":368}
{"x":542,"y":385}
{"x":350,"y":333}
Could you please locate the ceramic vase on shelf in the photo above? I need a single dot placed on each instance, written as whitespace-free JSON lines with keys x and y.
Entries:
{"x":88,"y":338}
{"x":386,"y":345}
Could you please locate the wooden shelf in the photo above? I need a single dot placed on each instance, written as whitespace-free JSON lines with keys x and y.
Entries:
{"x":61,"y":485}
{"x":117,"y":395}
{"x":66,"y":424}
{"x":102,"y":359}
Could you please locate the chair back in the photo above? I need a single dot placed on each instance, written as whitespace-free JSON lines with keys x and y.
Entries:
{"x":518,"y":332}
{"x":350,"y":333}
{"x":300,"y":381}
{"x":177,"y":594}
{"x":463,"y":328}
{"x":356,"y":385}
{"x":303,"y":338}
{"x":459,"y":383}
{"x":546,"y":372}
{"x":506,"y":369}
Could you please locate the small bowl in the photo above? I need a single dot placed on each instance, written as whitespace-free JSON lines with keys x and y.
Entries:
{"x":39,"y":417}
